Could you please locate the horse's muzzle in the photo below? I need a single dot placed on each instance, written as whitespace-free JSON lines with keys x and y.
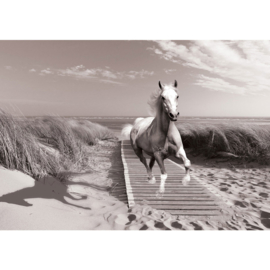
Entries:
{"x":173,"y":117}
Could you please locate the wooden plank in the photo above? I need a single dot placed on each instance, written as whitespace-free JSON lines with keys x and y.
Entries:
{"x":169,"y":187}
{"x":169,"y":184}
{"x":167,"y":191}
{"x":170,"y":177}
{"x":192,"y":199}
{"x":195,"y":212}
{"x":179,"y":203}
{"x":184,"y":207}
{"x":177,"y":199}
{"x":205,"y":195}
{"x":173,"y":196}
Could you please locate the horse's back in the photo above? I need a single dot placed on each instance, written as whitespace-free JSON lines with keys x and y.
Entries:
{"x":142,"y":125}
{"x":138,"y":131}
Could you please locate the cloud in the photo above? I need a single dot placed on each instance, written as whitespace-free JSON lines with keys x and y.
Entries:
{"x":79,"y":72}
{"x":135,"y":74}
{"x":105,"y":75}
{"x":32,"y":70}
{"x":235,"y":66}
{"x":110,"y":81}
{"x":157,"y":51}
{"x":169,"y":71}
{"x":45,"y":72}
{"x":217,"y":84}
{"x":8,"y":67}
{"x":108,"y":74}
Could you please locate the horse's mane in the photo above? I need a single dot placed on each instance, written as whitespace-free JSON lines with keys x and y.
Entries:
{"x":153,"y":102}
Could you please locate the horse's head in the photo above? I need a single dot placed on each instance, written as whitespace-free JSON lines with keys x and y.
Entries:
{"x":169,"y":97}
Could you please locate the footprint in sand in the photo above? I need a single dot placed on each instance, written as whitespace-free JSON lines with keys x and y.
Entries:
{"x":196,"y":226}
{"x":264,"y":195}
{"x":241,"y":204}
{"x":122,"y":219}
{"x":176,"y":225}
{"x":160,"y":225}
{"x":131,"y":218}
{"x":253,"y":205}
{"x":265,"y":219}
{"x":262,"y":184}
{"x":144,"y":227}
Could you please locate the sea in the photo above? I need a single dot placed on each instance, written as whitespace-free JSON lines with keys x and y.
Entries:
{"x":116,"y":123}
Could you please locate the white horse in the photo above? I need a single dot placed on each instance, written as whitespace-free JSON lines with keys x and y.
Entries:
{"x":158,"y":136}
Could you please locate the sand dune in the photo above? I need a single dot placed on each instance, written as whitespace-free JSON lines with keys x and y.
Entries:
{"x":26,"y":204}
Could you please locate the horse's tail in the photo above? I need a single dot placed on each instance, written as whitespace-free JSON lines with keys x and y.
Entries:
{"x":125,"y":133}
{"x":138,"y":120}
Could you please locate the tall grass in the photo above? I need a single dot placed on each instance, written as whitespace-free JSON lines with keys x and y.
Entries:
{"x":20,"y":150}
{"x":47,"y":145}
{"x":89,"y":132}
{"x":246,"y":141}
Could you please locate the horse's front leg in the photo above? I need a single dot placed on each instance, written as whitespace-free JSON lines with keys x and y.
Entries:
{"x":182,"y":154}
{"x":179,"y":151}
{"x":160,"y":160}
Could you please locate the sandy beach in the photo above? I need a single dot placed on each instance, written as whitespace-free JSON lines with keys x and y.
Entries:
{"x":83,"y":200}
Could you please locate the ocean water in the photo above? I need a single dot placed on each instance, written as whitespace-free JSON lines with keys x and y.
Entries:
{"x":116,"y":123}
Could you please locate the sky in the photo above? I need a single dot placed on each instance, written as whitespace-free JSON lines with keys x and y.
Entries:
{"x":116,"y":78}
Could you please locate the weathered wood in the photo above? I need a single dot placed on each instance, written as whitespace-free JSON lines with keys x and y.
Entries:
{"x":195,"y":212}
{"x":178,"y":203}
{"x":184,"y":207}
{"x":174,"y":198}
{"x":190,"y":200}
{"x":134,"y":190}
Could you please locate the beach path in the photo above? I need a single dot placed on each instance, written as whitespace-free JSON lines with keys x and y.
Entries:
{"x":190,"y":200}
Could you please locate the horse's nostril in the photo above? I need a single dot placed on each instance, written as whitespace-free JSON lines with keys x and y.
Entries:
{"x":178,"y":113}
{"x":171,"y":115}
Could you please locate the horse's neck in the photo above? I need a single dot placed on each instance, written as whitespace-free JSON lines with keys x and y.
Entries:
{"x":163,"y":121}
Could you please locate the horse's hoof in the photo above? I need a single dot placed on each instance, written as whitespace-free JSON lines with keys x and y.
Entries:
{"x":152,"y":180}
{"x":187,"y":164}
{"x":159,"y":194}
{"x":186,"y":180}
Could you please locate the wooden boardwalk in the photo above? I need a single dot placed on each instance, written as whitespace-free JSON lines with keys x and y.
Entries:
{"x":190,"y":200}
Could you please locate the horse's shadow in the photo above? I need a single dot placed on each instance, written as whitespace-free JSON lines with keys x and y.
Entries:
{"x":50,"y":189}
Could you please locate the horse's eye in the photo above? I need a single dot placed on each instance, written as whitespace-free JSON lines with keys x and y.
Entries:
{"x":177,"y":96}
{"x":163,"y":98}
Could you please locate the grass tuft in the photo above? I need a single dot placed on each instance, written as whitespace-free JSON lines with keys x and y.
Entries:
{"x":246,"y":141}
{"x":48,"y":145}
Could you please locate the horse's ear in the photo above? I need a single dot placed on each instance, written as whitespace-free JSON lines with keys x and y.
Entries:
{"x":175,"y":83}
{"x":160,"y":85}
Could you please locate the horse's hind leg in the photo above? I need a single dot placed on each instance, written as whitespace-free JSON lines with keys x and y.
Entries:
{"x":139,"y":153}
{"x":151,"y":177}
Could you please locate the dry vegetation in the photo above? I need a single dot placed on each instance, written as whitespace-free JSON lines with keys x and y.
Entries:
{"x":47,"y":145}
{"x":251,"y":143}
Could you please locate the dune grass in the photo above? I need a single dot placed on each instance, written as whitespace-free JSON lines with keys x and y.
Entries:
{"x":48,"y":145}
{"x":89,"y":132}
{"x":251,"y":143}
